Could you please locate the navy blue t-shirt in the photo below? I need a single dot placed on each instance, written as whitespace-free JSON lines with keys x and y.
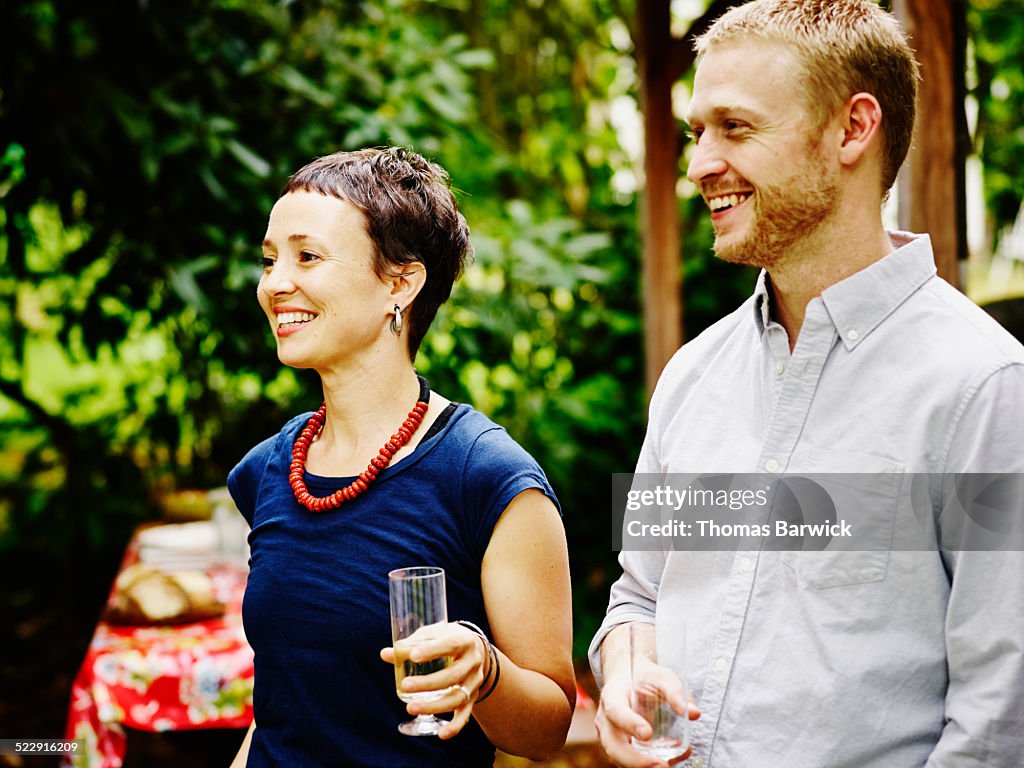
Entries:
{"x":316,"y":603}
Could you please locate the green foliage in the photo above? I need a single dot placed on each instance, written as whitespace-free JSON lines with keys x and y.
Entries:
{"x":997,"y":40}
{"x":142,"y":147}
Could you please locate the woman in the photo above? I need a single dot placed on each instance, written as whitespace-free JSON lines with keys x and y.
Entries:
{"x":361,"y":249}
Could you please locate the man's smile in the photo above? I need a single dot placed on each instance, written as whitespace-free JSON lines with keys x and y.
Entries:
{"x":724,"y":202}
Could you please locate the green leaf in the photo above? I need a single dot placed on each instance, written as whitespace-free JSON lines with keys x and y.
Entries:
{"x":475,"y":58}
{"x":248,"y":158}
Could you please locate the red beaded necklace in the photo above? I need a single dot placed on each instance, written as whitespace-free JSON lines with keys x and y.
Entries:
{"x":377,"y":464}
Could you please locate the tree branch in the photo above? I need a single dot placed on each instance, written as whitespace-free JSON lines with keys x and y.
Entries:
{"x":61,"y":430}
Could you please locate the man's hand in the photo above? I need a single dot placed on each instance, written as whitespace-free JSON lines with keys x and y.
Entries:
{"x":616,"y":721}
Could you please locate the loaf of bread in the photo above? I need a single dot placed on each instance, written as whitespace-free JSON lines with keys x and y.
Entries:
{"x":146,"y":595}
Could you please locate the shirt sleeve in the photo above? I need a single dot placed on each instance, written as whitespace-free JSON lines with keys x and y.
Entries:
{"x":634,"y":596}
{"x":244,"y":479}
{"x":984,"y":624}
{"x":497,"y":470}
{"x":240,"y":487}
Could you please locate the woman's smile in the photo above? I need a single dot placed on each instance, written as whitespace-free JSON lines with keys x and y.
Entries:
{"x":291,"y":321}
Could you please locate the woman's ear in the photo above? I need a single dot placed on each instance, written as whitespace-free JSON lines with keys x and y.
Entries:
{"x":407,"y":283}
{"x":862,"y":118}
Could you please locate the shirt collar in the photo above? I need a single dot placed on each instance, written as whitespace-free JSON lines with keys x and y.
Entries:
{"x":858,"y":304}
{"x":762,"y":303}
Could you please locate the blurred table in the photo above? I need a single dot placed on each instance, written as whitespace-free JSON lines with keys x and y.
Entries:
{"x":164,"y":678}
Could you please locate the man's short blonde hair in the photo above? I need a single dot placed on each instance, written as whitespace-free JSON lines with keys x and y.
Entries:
{"x":846,"y":47}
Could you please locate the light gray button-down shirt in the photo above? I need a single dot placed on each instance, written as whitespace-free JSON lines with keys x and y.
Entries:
{"x":874,"y":659}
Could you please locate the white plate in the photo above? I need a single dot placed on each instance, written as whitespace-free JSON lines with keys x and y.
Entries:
{"x":181,"y":537}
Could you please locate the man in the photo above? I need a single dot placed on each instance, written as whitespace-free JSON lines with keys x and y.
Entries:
{"x":851,"y":356}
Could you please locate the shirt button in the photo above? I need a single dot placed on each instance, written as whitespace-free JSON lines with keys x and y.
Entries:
{"x":746,"y":564}
{"x":721,"y":664}
{"x":771,"y":465}
{"x":697,"y":762}
{"x":779,"y":368}
{"x":853,"y":335}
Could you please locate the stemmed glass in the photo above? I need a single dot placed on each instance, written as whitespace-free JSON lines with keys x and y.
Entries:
{"x":418,"y":610}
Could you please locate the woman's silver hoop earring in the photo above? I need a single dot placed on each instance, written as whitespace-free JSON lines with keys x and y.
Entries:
{"x":396,"y":321}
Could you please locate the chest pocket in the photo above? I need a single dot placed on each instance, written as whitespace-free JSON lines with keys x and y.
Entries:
{"x":850,"y":519}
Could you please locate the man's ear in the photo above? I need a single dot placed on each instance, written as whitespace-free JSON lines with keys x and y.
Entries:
{"x":407,"y":283}
{"x":862,"y":117}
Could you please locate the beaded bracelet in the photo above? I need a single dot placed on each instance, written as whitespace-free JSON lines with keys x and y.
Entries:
{"x":488,"y":648}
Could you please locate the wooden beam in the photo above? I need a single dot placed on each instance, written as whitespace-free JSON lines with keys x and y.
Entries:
{"x":661,"y":60}
{"x":932,"y":195}
{"x":662,"y":271}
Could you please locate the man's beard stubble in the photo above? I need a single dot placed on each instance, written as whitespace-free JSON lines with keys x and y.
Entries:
{"x":782,"y":218}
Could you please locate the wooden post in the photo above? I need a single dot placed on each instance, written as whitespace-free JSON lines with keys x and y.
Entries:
{"x":932,"y":196}
{"x":662,"y":270}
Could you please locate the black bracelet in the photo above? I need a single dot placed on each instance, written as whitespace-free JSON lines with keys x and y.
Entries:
{"x":497,"y":674}
{"x":488,"y":648}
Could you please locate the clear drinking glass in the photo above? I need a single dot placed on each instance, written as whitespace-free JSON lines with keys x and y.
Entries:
{"x":669,"y":730}
{"x":418,"y":609}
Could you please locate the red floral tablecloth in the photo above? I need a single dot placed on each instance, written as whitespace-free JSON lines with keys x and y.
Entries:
{"x":181,"y":677}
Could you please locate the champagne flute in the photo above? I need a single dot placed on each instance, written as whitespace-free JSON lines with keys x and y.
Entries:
{"x":418,"y":610}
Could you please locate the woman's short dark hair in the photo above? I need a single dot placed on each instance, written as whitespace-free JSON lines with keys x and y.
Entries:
{"x":411,"y":216}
